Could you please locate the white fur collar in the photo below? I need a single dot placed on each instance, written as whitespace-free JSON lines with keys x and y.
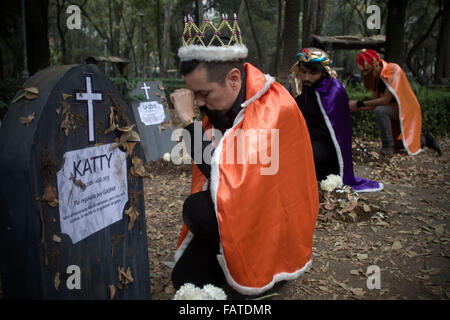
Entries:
{"x":212,"y":53}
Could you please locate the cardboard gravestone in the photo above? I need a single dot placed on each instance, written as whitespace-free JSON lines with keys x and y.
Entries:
{"x":153,"y":119}
{"x":72,"y":213}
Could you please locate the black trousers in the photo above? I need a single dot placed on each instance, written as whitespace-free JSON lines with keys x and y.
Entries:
{"x":198,"y":264}
{"x":325,"y":159}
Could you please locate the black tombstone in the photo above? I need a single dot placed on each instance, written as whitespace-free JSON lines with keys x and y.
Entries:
{"x":153,"y":119}
{"x":67,"y":113}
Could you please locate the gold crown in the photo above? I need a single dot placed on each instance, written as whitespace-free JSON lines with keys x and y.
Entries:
{"x":192,"y":34}
{"x":197,"y":42}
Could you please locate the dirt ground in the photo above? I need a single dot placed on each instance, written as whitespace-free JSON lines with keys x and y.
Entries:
{"x":404,"y":230}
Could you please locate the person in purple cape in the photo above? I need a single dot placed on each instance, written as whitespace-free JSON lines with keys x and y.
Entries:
{"x":324,"y":103}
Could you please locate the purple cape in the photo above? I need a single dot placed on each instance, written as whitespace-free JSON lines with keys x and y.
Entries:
{"x":333,"y":102}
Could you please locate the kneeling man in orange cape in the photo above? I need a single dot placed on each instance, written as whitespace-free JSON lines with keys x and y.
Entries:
{"x":396,"y":107}
{"x":250,"y":218}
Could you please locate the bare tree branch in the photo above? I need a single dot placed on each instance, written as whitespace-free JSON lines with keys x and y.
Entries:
{"x":363,"y":19}
{"x":417,"y":45}
{"x":101,"y":32}
{"x":130,"y":39}
{"x":255,"y":38}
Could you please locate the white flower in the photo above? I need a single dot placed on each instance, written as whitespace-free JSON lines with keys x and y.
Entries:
{"x":214,"y":292}
{"x":327,"y":185}
{"x":166,"y":156}
{"x":190,"y":292}
{"x":337,"y":179}
{"x":332,"y":182}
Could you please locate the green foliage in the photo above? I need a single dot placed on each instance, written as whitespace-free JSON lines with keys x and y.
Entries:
{"x":139,"y":96}
{"x":172,"y":84}
{"x":125,"y":85}
{"x":363,"y":123}
{"x":434,"y":102}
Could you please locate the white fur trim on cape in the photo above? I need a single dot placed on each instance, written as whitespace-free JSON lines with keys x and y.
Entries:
{"x":259,"y":94}
{"x":183,"y":246}
{"x":333,"y":137}
{"x":214,"y":188}
{"x":188,"y":237}
{"x":212,"y":53}
{"x":400,"y":118}
{"x":381,"y":187}
{"x":338,"y":148}
{"x":255,"y":291}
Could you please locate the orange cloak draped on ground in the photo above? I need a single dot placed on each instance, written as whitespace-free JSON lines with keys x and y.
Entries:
{"x":266,"y":211}
{"x":410,"y":114}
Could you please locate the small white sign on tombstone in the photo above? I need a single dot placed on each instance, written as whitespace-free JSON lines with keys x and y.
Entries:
{"x":92,"y":190}
{"x":151,"y":112}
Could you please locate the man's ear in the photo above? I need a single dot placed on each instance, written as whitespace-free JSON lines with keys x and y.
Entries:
{"x":234,"y":78}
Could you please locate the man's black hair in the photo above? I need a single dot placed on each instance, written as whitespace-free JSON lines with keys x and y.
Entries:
{"x":215,"y":70}
{"x":313,"y":66}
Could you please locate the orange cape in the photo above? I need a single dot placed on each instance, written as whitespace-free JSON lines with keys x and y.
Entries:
{"x":266,"y":221}
{"x":410,"y":114}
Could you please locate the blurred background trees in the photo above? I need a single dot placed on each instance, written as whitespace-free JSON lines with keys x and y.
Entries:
{"x":147,"y":33}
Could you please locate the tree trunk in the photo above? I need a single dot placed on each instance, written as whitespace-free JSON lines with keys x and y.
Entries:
{"x":291,"y":33}
{"x":395,"y":31}
{"x":306,"y":23}
{"x":199,"y":6}
{"x":276,"y":55}
{"x":102,"y":32}
{"x":241,"y":8}
{"x":130,"y":47}
{"x":339,"y":56}
{"x":416,"y":45}
{"x":158,"y":29}
{"x":313,"y":17}
{"x":118,"y":7}
{"x":111,"y":40}
{"x":37,"y":35}
{"x":60,"y":5}
{"x":166,"y":39}
{"x":321,"y":5}
{"x":114,"y":24}
{"x":443,"y":47}
{"x":255,"y":36}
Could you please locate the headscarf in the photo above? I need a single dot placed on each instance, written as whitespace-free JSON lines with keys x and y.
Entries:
{"x":367,"y":58}
{"x":309,"y":55}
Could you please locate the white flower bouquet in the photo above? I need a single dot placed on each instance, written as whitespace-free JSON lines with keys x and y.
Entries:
{"x":190,"y":292}
{"x":166,"y":157}
{"x":332,"y":182}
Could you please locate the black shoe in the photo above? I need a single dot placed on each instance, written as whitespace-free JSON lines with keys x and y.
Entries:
{"x":387,"y":151}
{"x":431,"y":143}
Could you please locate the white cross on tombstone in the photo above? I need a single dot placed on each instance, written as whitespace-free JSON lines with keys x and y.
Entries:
{"x":89,"y":97}
{"x":145,"y":88}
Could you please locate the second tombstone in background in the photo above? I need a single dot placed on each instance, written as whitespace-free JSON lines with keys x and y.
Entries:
{"x":153,"y":119}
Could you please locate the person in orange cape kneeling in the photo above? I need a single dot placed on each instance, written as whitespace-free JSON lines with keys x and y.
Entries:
{"x":250,"y":218}
{"x":396,"y":107}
